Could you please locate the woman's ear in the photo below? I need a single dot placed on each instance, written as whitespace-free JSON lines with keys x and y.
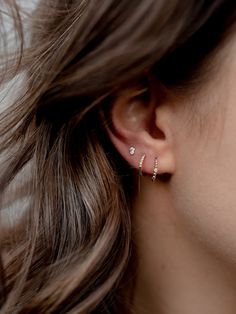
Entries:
{"x":141,"y":125}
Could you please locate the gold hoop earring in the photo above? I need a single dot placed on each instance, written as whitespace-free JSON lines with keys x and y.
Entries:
{"x":141,"y":165}
{"x":155,"y":169}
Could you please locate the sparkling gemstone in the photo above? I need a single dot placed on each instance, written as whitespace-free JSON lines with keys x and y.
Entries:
{"x":132,"y":150}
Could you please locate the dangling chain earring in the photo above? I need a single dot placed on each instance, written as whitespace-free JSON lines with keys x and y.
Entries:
{"x":140,"y":170}
{"x":155,"y":169}
{"x":141,"y":165}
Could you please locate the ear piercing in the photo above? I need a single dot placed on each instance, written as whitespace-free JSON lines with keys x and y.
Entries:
{"x":141,"y":164}
{"x":132,"y":150}
{"x":155,"y":169}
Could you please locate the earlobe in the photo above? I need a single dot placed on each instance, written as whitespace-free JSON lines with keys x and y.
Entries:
{"x":137,"y":136}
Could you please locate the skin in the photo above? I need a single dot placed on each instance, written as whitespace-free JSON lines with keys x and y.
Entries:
{"x":184,"y":227}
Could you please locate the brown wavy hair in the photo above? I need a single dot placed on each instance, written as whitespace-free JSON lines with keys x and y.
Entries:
{"x":70,"y":250}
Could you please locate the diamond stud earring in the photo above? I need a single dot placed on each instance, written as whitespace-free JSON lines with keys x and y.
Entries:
{"x":132,"y":150}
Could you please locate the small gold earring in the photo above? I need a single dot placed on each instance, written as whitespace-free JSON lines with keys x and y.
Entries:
{"x":141,"y":164}
{"x":155,"y":169}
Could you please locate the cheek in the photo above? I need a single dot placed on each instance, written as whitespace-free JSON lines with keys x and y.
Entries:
{"x":204,"y":191}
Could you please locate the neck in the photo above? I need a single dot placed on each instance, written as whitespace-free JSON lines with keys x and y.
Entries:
{"x":175,"y":273}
